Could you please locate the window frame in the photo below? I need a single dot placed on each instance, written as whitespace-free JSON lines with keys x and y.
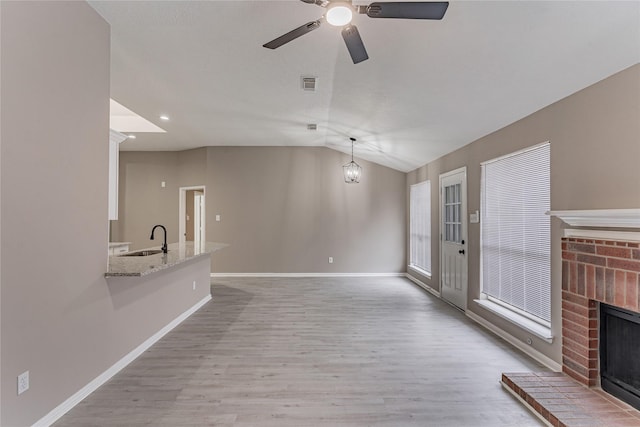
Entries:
{"x":536,"y":325}
{"x":424,"y":270}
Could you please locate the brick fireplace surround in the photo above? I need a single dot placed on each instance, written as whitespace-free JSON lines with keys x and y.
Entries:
{"x":594,"y":271}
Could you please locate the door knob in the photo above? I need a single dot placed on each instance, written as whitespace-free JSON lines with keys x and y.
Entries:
{"x":461,"y":251}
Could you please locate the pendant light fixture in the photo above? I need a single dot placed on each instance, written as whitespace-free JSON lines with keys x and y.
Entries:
{"x":352,"y":171}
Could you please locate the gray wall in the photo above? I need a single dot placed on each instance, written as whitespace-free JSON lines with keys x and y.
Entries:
{"x":595,"y":153}
{"x":55,"y":121}
{"x":153,"y":203}
{"x":283,"y":209}
{"x":59,"y":318}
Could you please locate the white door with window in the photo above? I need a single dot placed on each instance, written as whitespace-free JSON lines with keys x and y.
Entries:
{"x":453,"y":237}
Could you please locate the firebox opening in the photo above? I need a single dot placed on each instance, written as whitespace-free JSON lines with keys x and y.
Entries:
{"x":620,"y":353}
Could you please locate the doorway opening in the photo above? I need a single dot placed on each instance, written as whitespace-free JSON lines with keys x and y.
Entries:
{"x":191,"y":217}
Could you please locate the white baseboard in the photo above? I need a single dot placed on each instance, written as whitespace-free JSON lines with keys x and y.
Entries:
{"x":525,"y":348}
{"x":422,"y":285}
{"x":85,"y":391}
{"x":307,"y":274}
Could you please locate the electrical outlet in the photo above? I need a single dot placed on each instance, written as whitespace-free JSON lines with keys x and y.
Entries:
{"x":194,"y":285}
{"x":23,"y":382}
{"x":330,"y":260}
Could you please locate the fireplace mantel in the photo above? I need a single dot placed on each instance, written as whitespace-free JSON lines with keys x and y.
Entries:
{"x":608,"y":218}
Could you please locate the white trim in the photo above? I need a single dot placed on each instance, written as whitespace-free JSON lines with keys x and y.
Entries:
{"x":515,"y":153}
{"x":516,"y":310}
{"x":526,"y":405}
{"x":419,"y":270}
{"x":92,"y":386}
{"x":420,"y":230}
{"x":624,"y":218}
{"x":454,"y":172}
{"x":603,"y":234}
{"x":422,"y":285}
{"x":525,"y":348}
{"x":117,"y":137}
{"x":308,"y":274}
{"x":529,"y":325}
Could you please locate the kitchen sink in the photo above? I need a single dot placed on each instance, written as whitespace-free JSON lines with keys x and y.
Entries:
{"x":143,"y":253}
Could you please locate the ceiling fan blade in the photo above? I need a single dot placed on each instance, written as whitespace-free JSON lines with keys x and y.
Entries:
{"x":407,"y":10}
{"x":293,"y":34}
{"x":354,"y":44}
{"x":321,"y":3}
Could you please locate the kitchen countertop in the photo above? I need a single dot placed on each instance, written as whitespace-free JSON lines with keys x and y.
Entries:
{"x":143,"y":265}
{"x":115,"y":244}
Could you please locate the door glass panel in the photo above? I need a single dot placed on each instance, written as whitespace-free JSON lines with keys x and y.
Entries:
{"x":453,"y":213}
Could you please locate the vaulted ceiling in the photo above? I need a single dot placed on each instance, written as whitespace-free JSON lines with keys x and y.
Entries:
{"x":428,"y":87}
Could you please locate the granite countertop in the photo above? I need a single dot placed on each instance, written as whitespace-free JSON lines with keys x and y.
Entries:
{"x":114,"y":244}
{"x":142,"y":265}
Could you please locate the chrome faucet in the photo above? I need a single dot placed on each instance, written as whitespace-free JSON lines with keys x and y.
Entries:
{"x":164,"y":245}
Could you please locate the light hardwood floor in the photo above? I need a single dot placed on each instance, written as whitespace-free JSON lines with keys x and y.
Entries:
{"x":316,"y":352}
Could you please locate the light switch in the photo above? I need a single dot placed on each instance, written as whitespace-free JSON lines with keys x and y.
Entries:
{"x":163,"y":184}
{"x":474,"y":218}
{"x":217,"y":218}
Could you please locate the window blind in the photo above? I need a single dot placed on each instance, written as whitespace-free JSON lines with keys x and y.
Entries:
{"x":515,"y":231}
{"x":420,"y":226}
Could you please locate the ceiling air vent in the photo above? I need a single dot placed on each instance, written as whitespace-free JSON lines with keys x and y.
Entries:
{"x":312,"y":126}
{"x":309,"y":83}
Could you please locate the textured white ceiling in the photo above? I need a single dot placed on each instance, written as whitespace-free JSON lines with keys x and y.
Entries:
{"x":428,"y":88}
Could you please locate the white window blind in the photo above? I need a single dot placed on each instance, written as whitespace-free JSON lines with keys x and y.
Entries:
{"x":515,"y":232}
{"x":420,"y":226}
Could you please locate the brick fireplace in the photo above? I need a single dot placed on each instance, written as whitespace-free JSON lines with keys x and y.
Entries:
{"x":594,"y":271}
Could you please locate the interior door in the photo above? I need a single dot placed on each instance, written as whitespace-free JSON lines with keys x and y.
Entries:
{"x":453,"y":237}
{"x":192,"y":221}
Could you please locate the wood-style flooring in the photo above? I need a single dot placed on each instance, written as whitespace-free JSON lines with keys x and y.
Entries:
{"x":316,"y":352}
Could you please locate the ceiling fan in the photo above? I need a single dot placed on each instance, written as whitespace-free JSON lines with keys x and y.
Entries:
{"x":340,"y":13}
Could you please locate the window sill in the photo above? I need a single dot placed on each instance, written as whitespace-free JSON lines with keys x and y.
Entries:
{"x":419,"y":271}
{"x":527,"y":324}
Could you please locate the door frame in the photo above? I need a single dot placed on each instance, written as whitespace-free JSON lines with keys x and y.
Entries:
{"x":182,"y":209}
{"x":465,"y":233}
{"x":198,"y":214}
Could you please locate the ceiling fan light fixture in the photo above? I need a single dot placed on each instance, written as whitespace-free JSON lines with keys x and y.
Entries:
{"x":339,"y":14}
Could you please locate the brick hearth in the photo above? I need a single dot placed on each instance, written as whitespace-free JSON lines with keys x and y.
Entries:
{"x":563,"y":402}
{"x":593,"y":271}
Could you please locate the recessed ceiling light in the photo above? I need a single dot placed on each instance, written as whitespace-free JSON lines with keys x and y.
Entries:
{"x":131,"y":136}
{"x":164,"y":117}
